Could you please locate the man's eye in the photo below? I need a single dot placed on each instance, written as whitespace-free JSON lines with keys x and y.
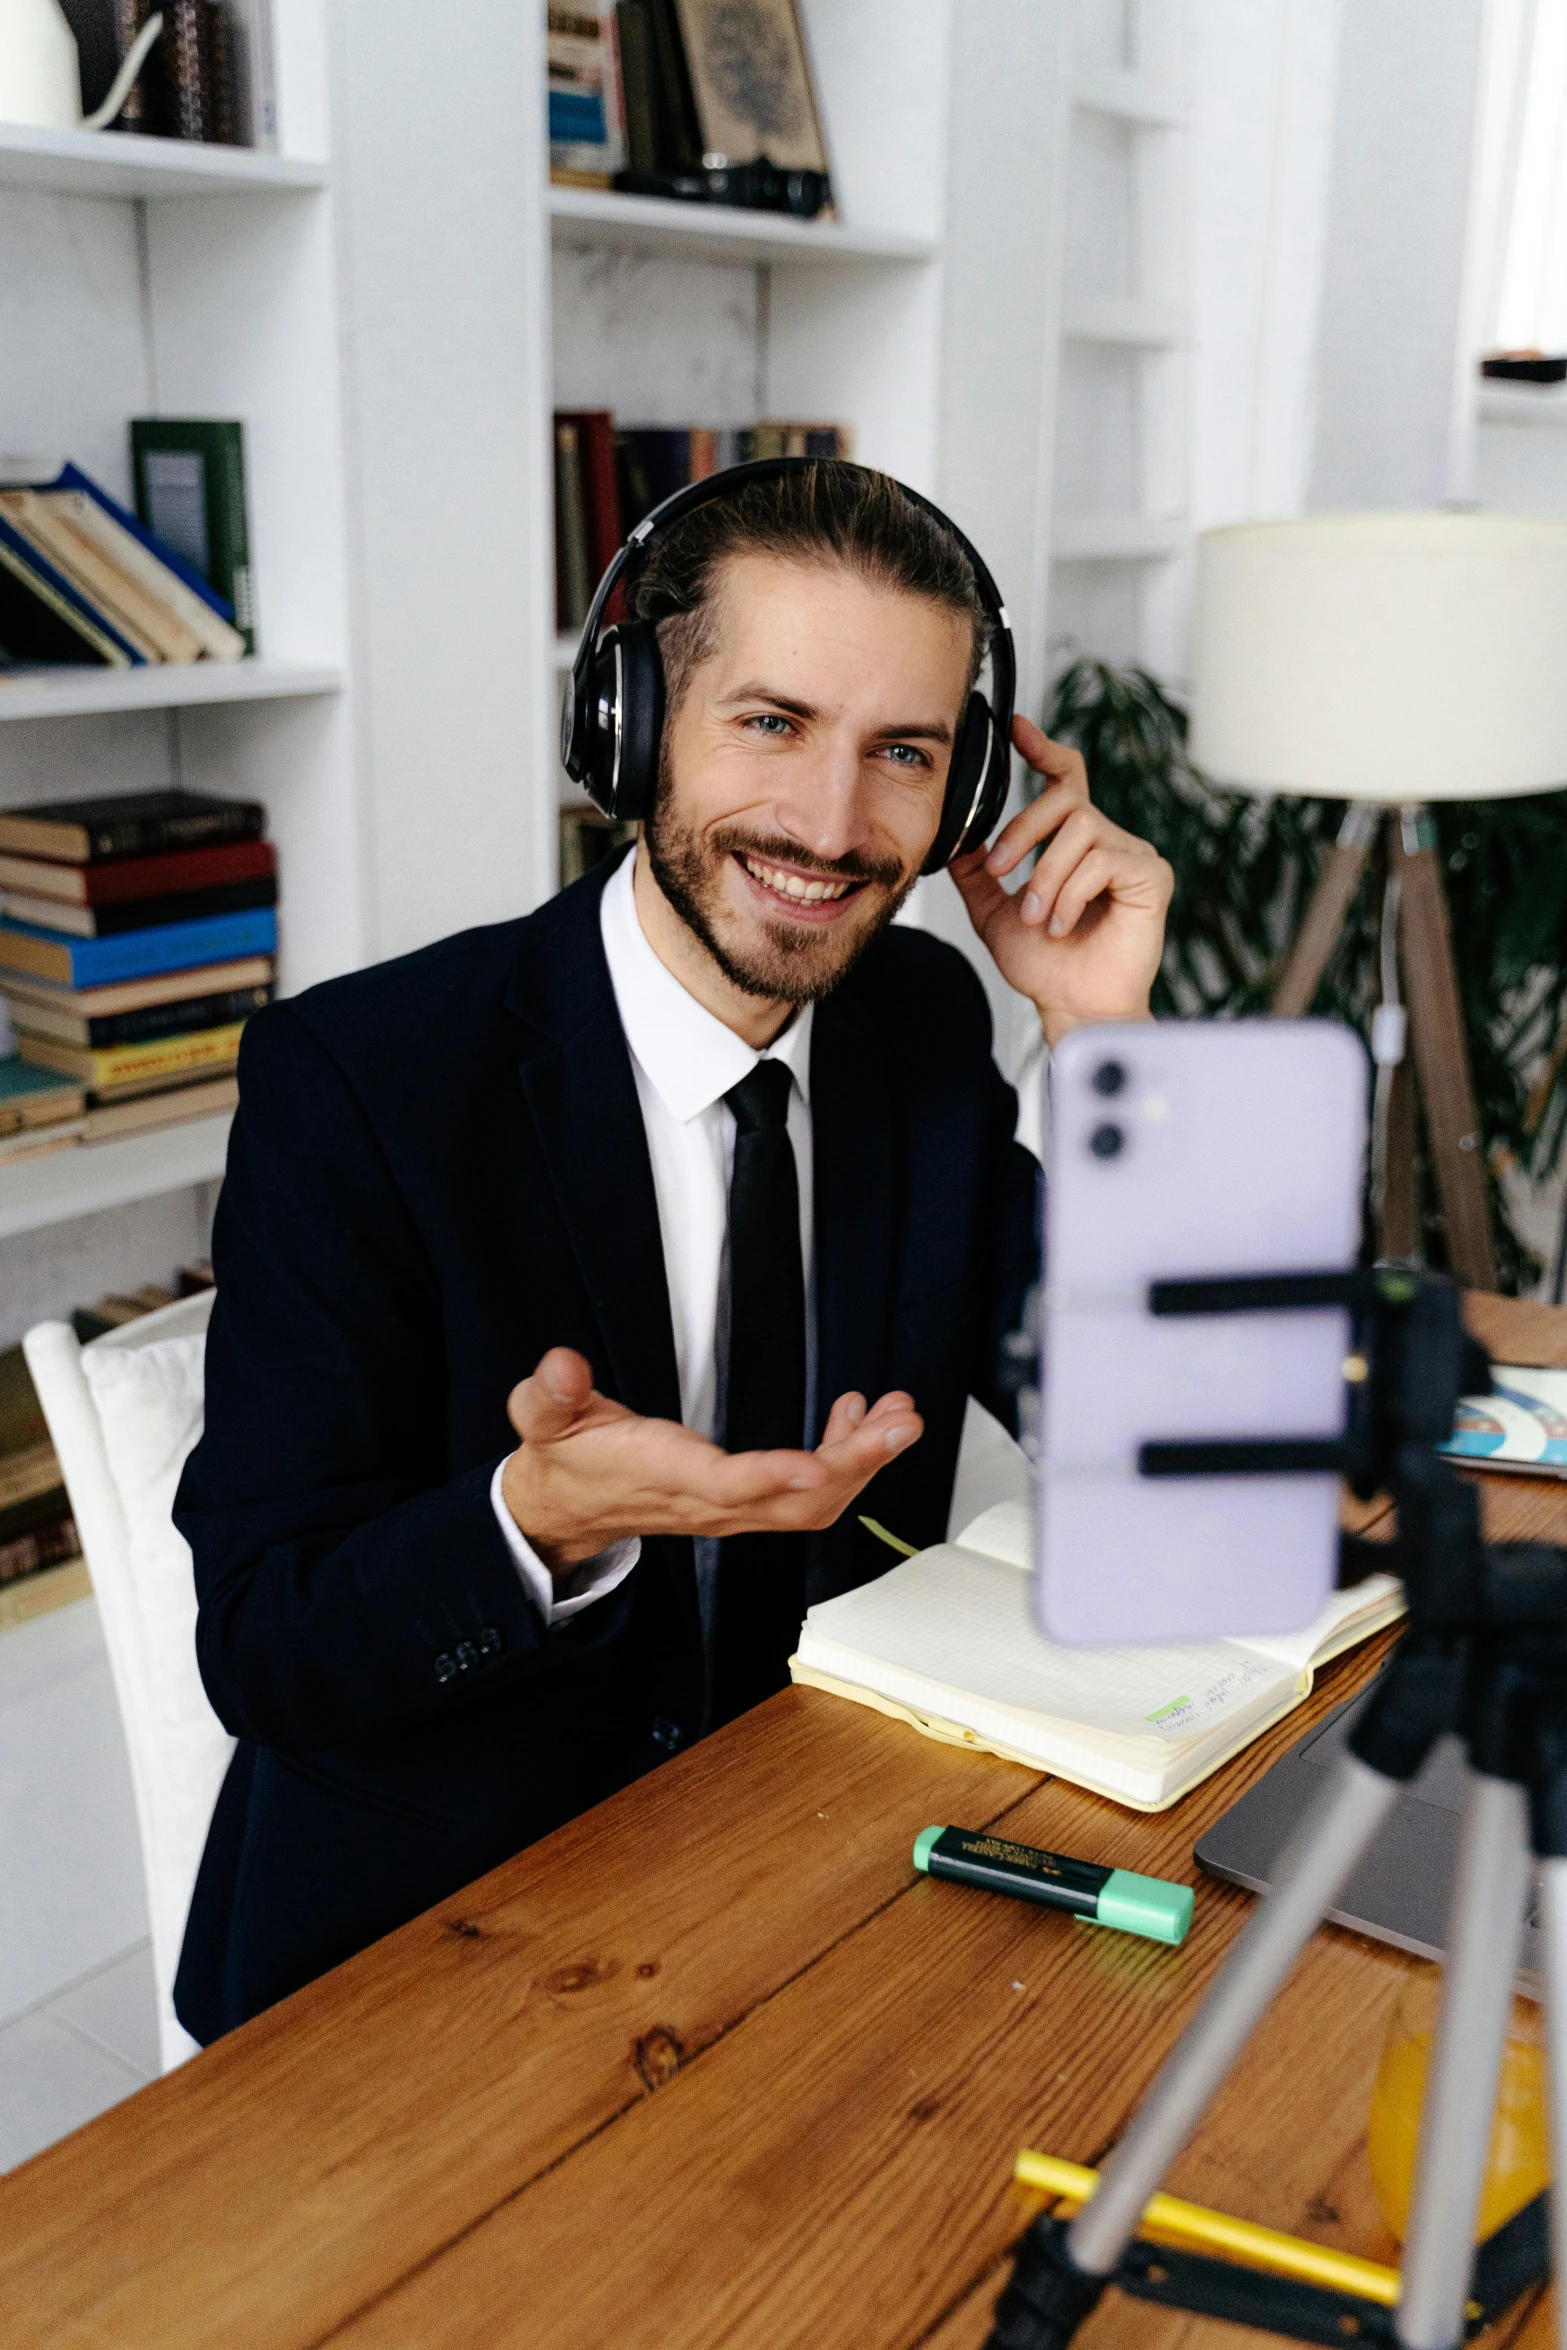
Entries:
{"x":769,"y":721}
{"x":905,"y":755}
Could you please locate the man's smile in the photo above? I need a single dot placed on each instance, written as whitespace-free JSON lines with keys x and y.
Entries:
{"x":804,"y":896}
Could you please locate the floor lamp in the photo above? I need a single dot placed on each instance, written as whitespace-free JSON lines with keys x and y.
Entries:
{"x":1390,"y":660}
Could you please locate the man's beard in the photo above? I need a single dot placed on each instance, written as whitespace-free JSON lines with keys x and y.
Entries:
{"x":790,"y":963}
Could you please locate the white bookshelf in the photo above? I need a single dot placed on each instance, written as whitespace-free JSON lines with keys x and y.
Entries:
{"x":83,"y":693}
{"x":103,"y":163}
{"x":146,"y":276}
{"x":591,"y":218}
{"x":1121,"y":534}
{"x":87,"y":1179}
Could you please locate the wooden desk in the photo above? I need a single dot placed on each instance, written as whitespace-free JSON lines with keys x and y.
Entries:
{"x":713,"y":2066}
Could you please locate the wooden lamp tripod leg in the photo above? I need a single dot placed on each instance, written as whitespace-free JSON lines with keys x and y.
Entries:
{"x":1325,"y":916}
{"x":1441,"y":1052}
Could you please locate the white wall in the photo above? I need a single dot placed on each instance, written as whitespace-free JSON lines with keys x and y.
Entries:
{"x":1264,"y":78}
{"x":1394,"y":289}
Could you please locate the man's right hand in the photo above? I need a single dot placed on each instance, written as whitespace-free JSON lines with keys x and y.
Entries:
{"x":588,"y":1472}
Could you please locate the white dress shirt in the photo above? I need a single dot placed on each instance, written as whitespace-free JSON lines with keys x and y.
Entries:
{"x":684,"y":1062}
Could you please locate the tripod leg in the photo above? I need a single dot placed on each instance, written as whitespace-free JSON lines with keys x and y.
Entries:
{"x":1312,"y":1868}
{"x":1484,"y":1925}
{"x":1330,"y":902}
{"x":1553,"y":1929}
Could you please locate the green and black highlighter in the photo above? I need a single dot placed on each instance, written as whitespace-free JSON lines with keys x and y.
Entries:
{"x":1159,"y":1911}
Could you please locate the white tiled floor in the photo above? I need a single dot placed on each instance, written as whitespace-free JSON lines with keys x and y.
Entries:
{"x":78,"y":2021}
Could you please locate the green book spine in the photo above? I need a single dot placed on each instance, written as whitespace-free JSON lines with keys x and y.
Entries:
{"x":190,"y":491}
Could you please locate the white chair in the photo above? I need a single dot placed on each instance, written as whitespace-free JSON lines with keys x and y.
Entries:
{"x":124,"y":1412}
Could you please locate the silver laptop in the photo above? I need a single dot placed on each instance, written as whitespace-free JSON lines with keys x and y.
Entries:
{"x":1400,"y":1891}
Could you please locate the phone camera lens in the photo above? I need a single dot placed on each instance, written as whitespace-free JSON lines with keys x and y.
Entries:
{"x":1107,"y":1142}
{"x":1108,"y":1079}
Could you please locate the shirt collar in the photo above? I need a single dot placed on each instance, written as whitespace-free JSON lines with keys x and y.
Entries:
{"x":689,"y":1058}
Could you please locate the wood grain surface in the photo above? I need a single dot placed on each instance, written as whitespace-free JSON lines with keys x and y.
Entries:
{"x":713,"y":2065}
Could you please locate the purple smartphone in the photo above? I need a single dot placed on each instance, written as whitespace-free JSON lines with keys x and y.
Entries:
{"x":1186,"y":1147}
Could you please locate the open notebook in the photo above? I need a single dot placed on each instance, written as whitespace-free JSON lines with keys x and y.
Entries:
{"x":946,"y":1641}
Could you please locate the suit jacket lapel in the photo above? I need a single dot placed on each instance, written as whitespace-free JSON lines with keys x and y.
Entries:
{"x":577,"y":1078}
{"x":856,"y":1199}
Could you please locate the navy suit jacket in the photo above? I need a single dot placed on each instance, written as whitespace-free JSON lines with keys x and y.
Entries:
{"x":438,"y":1170}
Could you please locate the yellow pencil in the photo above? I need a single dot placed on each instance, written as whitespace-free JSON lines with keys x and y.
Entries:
{"x":1289,"y":2256}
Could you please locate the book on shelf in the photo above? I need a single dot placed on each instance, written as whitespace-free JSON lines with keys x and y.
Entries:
{"x":153,"y":628}
{"x":28,"y":1473}
{"x":587,"y":142}
{"x":608,"y":479}
{"x":573,"y":582}
{"x":248,"y":975}
{"x":34,"y":1595}
{"x":946,"y":1642}
{"x":190,"y":492}
{"x":122,"y":1069}
{"x":718,"y":105}
{"x":81,"y":581}
{"x":123,"y":914}
{"x":45,"y":620}
{"x":130,"y":824}
{"x":210,"y":76}
{"x":112,"y":1120}
{"x":41,"y":1142}
{"x":31,"y":1098}
{"x":38,"y":1011}
{"x":32,"y":1554}
{"x":111,"y":881}
{"x":28,"y":948}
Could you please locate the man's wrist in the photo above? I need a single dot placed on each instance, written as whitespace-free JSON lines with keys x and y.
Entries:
{"x":1057,"y":1023}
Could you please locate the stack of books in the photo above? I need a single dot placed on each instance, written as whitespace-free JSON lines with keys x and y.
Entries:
{"x":137,"y":935}
{"x":607,"y":478}
{"x":84,"y":580}
{"x":40,"y":1556}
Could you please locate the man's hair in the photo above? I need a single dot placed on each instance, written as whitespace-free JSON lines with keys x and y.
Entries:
{"x":829,"y":512}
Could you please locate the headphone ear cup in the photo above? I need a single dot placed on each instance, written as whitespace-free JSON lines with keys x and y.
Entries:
{"x":627,"y":716}
{"x":972,"y":803}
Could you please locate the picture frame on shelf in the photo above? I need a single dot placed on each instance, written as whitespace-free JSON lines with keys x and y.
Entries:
{"x":752,"y":83}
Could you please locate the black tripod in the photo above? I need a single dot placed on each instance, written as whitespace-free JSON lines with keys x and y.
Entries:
{"x":1484,"y":1655}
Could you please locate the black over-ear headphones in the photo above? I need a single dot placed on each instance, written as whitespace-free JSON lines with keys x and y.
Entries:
{"x":614,"y":713}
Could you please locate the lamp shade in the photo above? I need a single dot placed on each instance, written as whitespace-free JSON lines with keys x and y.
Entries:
{"x":1388,"y":657}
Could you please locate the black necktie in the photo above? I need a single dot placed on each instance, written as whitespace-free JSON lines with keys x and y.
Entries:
{"x":761,"y":1577}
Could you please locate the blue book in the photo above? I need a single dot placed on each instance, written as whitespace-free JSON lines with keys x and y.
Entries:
{"x":63,"y":622}
{"x":135,"y":954}
{"x":71,"y":477}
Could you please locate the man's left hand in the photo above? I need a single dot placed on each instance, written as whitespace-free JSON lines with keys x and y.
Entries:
{"x":1083,"y":938}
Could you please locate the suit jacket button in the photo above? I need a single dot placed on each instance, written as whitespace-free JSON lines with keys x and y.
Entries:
{"x":489,"y":1641}
{"x":668,"y":1735}
{"x":445,"y":1667}
{"x":467,"y":1656}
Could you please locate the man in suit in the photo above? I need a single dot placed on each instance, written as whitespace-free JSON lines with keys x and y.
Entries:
{"x":575,"y":1275}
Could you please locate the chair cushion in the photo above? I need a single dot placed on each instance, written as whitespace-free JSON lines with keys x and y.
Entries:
{"x":149,"y":1401}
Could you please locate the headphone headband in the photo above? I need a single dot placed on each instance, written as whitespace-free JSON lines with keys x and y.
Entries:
{"x":978,"y":774}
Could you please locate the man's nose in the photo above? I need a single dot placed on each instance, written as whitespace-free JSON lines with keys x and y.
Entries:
{"x":826,"y":807}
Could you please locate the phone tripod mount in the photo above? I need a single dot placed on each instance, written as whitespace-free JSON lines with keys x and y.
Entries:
{"x":1484,"y":1657}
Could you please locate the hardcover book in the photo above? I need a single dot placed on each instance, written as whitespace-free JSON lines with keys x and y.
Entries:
{"x":120,"y":915}
{"x":132,"y":824}
{"x":174,"y":946}
{"x":137,"y":1068}
{"x":139,"y":877}
{"x":33,"y":1017}
{"x":159,"y":988}
{"x":190,"y":491}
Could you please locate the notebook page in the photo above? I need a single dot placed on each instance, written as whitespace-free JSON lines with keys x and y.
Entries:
{"x":960,"y":1622}
{"x":1006,"y":1532}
